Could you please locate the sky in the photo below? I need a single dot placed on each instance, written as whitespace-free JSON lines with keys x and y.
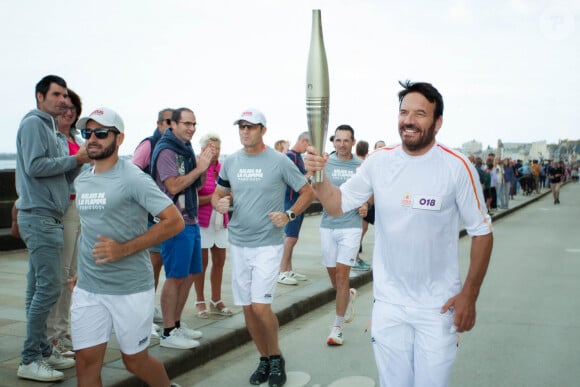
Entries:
{"x":506,"y":69}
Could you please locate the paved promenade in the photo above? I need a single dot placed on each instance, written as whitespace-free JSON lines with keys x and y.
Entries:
{"x":220,"y":334}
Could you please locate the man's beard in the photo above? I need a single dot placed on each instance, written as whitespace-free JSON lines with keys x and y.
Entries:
{"x":104,"y":153}
{"x":427,"y":136}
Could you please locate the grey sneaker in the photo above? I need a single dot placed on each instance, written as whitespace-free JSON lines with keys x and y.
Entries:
{"x":58,"y":361}
{"x":39,"y":370}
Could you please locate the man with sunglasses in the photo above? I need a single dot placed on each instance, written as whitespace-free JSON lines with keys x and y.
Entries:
{"x":115,"y":281}
{"x":256,"y":177}
{"x":43,"y":173}
{"x":142,"y":159}
{"x":179,"y":175}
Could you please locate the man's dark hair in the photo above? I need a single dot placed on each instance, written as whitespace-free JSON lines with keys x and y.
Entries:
{"x":362,"y":148}
{"x":426,"y":90}
{"x":176,"y":115}
{"x":345,"y":127}
{"x":76,"y":101}
{"x":43,"y":85}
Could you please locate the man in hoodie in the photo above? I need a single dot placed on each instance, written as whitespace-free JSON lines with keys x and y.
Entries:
{"x":43,"y":173}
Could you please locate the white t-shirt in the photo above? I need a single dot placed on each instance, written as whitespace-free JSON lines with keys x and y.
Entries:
{"x":419,"y":203}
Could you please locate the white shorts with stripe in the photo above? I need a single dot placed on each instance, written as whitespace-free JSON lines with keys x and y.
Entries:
{"x":255,"y":273}
{"x":94,"y":316}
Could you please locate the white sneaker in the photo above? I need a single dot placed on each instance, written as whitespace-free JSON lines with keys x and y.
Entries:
{"x":335,"y":337}
{"x":188,"y":332}
{"x":285,"y":279}
{"x":59,"y":362}
{"x":349,"y":314}
{"x":39,"y":370}
{"x":178,"y":341}
{"x":155,"y":330}
{"x":157,"y":316}
{"x":297,"y":276}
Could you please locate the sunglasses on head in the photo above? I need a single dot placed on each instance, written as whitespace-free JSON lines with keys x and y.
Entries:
{"x":100,"y":133}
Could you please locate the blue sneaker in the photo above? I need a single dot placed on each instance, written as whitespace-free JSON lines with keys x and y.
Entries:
{"x":361,"y":265}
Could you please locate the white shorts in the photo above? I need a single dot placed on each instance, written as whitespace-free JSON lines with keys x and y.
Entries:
{"x":93,"y":316}
{"x":339,"y":245}
{"x":210,"y":236}
{"x":413,"y":347}
{"x":255,"y":273}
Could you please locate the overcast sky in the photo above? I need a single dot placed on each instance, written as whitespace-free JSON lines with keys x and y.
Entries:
{"x":506,"y":69}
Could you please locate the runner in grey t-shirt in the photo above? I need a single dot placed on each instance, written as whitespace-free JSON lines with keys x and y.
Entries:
{"x":115,"y":277}
{"x":114,"y":204}
{"x":256,"y":177}
{"x":268,"y":173}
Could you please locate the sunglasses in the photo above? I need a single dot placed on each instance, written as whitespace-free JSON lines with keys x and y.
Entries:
{"x":100,"y":133}
{"x":248,"y":126}
{"x":168,"y":121}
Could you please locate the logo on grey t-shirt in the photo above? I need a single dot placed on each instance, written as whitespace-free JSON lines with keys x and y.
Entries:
{"x":250,"y":174}
{"x":92,"y":201}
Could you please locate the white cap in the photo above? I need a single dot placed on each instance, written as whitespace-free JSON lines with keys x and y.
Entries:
{"x":103,"y":116}
{"x":253,"y":116}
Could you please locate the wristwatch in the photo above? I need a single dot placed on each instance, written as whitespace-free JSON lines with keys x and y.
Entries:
{"x":291,"y":215}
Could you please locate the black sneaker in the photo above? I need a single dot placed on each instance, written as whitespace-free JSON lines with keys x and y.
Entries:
{"x":261,"y":373}
{"x":277,"y":372}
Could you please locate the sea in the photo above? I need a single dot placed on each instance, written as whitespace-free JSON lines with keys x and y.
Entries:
{"x":7,"y":161}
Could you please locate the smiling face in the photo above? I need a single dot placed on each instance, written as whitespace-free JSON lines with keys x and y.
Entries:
{"x":185,"y":127}
{"x":67,"y":117}
{"x":417,"y":125}
{"x":343,"y":143}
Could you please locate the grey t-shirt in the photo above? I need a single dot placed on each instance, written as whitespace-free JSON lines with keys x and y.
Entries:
{"x":339,"y":171}
{"x":258,"y":184}
{"x":115,"y":204}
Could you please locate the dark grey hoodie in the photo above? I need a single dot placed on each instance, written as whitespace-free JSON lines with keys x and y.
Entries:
{"x":43,"y":167}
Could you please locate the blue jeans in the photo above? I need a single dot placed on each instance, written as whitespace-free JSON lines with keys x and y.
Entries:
{"x":43,"y":236}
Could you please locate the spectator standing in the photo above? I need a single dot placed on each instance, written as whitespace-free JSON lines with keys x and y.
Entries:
{"x":58,"y":322}
{"x":44,"y":171}
{"x":179,"y":176}
{"x":287,"y":274}
{"x":556,"y":176}
{"x":214,"y":236}
{"x":142,"y":159}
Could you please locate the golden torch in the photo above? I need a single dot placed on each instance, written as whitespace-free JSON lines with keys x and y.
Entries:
{"x":317,"y":89}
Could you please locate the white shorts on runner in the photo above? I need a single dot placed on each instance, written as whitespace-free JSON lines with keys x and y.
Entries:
{"x":93,"y":316}
{"x":210,"y":236}
{"x":413,"y":346}
{"x":339,"y":245}
{"x":255,"y":273}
